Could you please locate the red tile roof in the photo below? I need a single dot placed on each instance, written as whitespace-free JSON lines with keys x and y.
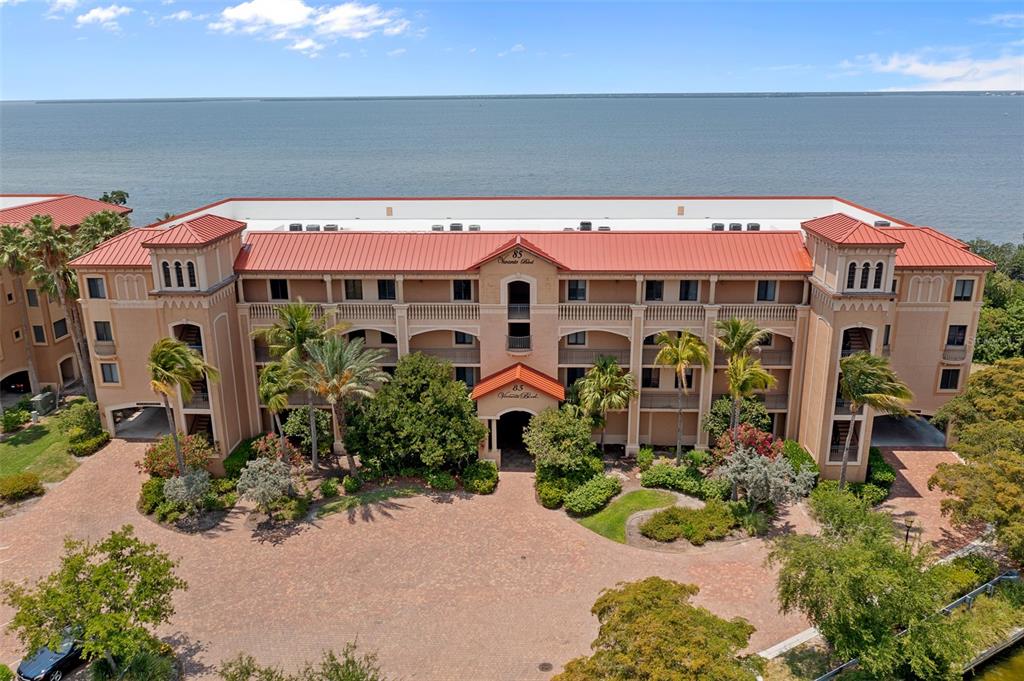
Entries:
{"x":68,"y":210}
{"x":122,"y":251}
{"x":519,"y":373}
{"x":928,"y":249}
{"x":840,"y":228}
{"x":198,"y":231}
{"x":517,"y":241}
{"x":775,"y":251}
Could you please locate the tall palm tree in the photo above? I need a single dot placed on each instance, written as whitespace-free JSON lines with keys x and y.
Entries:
{"x":606,"y":387}
{"x":745,"y":375}
{"x":174,"y":366}
{"x":867,"y":380}
{"x":97,"y":228}
{"x":680,"y":352}
{"x":12,"y":259}
{"x":277,"y":380}
{"x":738,"y":336}
{"x":287,"y":338}
{"x":48,"y":249}
{"x":340,"y":370}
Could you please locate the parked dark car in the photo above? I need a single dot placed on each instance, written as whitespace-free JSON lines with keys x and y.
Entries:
{"x":51,"y":665}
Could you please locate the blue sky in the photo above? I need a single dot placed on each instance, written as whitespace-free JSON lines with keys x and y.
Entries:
{"x":68,"y":49}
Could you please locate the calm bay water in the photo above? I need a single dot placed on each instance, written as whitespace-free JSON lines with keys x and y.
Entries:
{"x":952,"y":161}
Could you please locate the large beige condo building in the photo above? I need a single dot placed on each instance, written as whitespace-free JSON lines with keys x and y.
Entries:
{"x":521,"y":295}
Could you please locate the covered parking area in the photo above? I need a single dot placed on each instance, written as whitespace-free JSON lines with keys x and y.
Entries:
{"x":140,"y":423}
{"x":893,"y":432}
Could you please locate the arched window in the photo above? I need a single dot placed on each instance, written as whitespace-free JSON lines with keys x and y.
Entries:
{"x":864,"y":274}
{"x":192,"y":274}
{"x":167,"y":274}
{"x":851,"y":276}
{"x":878,"y":276}
{"x":178,"y":276}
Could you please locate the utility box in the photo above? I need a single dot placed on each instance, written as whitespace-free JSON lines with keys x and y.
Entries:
{"x":44,"y":402}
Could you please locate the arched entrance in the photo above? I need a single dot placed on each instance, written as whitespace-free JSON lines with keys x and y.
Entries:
{"x":510,"y":441}
{"x":67,"y":371}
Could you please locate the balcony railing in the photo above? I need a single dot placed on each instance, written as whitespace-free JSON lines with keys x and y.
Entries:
{"x":776,"y":402}
{"x":667,"y":400}
{"x":769,"y":358}
{"x":262,"y":354}
{"x":675,"y":313}
{"x":104,"y":348}
{"x":588,"y":356}
{"x":200,"y":400}
{"x":774,"y":312}
{"x":390,"y":355}
{"x":842,"y":406}
{"x":594,"y":312}
{"x":954,"y":353}
{"x":518,"y":310}
{"x":469,"y":355}
{"x":373,"y":312}
{"x":518,"y":343}
{"x":269,"y":310}
{"x":885,"y":350}
{"x":835,"y":452}
{"x":444,"y":311}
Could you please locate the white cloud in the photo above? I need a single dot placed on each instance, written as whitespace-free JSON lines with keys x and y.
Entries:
{"x":307,"y":46}
{"x":62,"y":6}
{"x":960,"y":72}
{"x":397,"y":53}
{"x":184,"y":15}
{"x":518,"y":47}
{"x":106,"y":17}
{"x":1006,"y":20}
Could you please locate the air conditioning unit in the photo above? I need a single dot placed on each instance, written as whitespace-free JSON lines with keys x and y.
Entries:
{"x":735,"y":226}
{"x":313,"y":228}
{"x":883,"y":223}
{"x":604,"y":228}
{"x":717,"y":226}
{"x":455,"y":227}
{"x":753,"y":226}
{"x":436,"y":228}
{"x":331,"y":228}
{"x":474,"y":228}
{"x":295,"y":227}
{"x":586,"y":226}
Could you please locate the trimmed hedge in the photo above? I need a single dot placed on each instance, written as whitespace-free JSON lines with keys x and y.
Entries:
{"x":550,"y":494}
{"x":89,"y":445}
{"x":351,"y":484}
{"x":593,"y":495}
{"x":13,"y":419}
{"x":685,"y":479}
{"x":480,"y":477}
{"x":5,"y":673}
{"x":329,"y":488}
{"x":697,"y":526}
{"x":239,"y":456}
{"x":798,"y":457}
{"x":20,"y":486}
{"x":880,"y":473}
{"x":644,"y":458}
{"x":553,"y":484}
{"x":872,"y":494}
{"x":442,"y":481}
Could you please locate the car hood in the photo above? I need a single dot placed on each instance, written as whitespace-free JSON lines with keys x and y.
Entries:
{"x":40,"y":662}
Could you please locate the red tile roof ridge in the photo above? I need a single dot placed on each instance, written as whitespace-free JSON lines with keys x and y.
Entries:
{"x":841,"y":228}
{"x":65,"y":209}
{"x":522,"y":373}
{"x":203,"y":229}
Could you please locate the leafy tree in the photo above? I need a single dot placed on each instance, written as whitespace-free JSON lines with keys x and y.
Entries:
{"x":680,"y":352}
{"x":113,"y":592}
{"x":765,"y":444}
{"x":160,"y":460}
{"x":1008,"y":257}
{"x":606,"y":387}
{"x":766,"y":480}
{"x":341,"y":371}
{"x":421,"y":417}
{"x":739,"y":336}
{"x":277,"y":381}
{"x":350,"y":666}
{"x":117,"y":197}
{"x":867,"y":380}
{"x":263,"y":481}
{"x":992,"y":394}
{"x":1000,"y":332}
{"x":650,"y":631}
{"x":745,"y":376}
{"x":752,"y":412}
{"x":97,"y":228}
{"x":13,"y":259}
{"x":558,"y":440}
{"x":173,"y":366}
{"x":297,"y":426}
{"x":189,"y":489}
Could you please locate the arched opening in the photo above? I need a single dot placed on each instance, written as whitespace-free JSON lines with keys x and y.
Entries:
{"x":878,"y":276}
{"x":857,"y":339}
{"x":179,"y":278}
{"x":518,"y":299}
{"x":67,"y":371}
{"x":13,"y":387}
{"x":166,"y":269}
{"x":191,"y":274}
{"x":851,"y":275}
{"x":510,"y":441}
{"x":865,"y":272}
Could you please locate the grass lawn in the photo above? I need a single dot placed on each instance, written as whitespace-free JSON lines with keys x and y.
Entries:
{"x":611,"y":521}
{"x":353,"y":501}
{"x":41,"y":449}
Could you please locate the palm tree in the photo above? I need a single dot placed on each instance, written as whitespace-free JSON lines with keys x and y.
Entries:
{"x":606,"y":387}
{"x":867,"y":380}
{"x":174,"y":366}
{"x":340,"y":370}
{"x":49,"y":249}
{"x":12,"y":258}
{"x":745,"y":375}
{"x":97,"y":228}
{"x":277,"y":380}
{"x":118,"y":197}
{"x":739,"y":336}
{"x":680,"y":352}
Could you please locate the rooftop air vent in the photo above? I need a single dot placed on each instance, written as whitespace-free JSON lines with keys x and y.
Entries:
{"x":568,"y":229}
{"x":436,"y":228}
{"x":717,"y":226}
{"x":331,"y":228}
{"x":586,"y":225}
{"x":882,"y":223}
{"x":604,"y":228}
{"x":295,"y":227}
{"x":753,"y":226}
{"x":313,"y":228}
{"x":455,"y":227}
{"x":735,"y":226}
{"x":474,"y":228}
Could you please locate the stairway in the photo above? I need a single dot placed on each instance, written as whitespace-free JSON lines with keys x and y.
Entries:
{"x":856,"y":340}
{"x":190,"y":336}
{"x":200,"y":424}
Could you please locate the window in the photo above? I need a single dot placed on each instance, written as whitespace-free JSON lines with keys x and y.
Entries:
{"x":109,"y":372}
{"x":886,"y":334}
{"x":688,"y":289}
{"x":950,"y":379}
{"x":279,"y":289}
{"x":387,"y":339}
{"x":353,"y":289}
{"x":574,"y":374}
{"x":957,"y":334}
{"x":17,"y":334}
{"x":689,"y":379}
{"x":878,"y":277}
{"x":766,"y":291}
{"x":191,"y":267}
{"x":32,"y":296}
{"x":386,"y":289}
{"x":577,"y":290}
{"x":650,"y":377}
{"x":359,"y":333}
{"x":463,"y":338}
{"x":462,"y":289}
{"x":467,"y":375}
{"x":650,"y":340}
{"x":166,"y":268}
{"x":963,"y":290}
{"x":179,"y":277}
{"x":39,"y":333}
{"x":103,"y":331}
{"x":10,"y":296}
{"x":654,"y":290}
{"x":578,"y":338}
{"x":96,"y":286}
{"x":60,"y":328}
{"x":851,"y":275}
{"x":865,"y":272}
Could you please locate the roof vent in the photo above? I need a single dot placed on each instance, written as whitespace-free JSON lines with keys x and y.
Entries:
{"x":455,"y":227}
{"x":331,"y":228}
{"x":313,"y":228}
{"x":883,"y":223}
{"x":586,"y":225}
{"x":604,"y":228}
{"x":295,"y":227}
{"x":568,"y":229}
{"x":436,"y":228}
{"x":753,"y":226}
{"x":717,"y":226}
{"x":474,"y":228}
{"x":735,"y":226}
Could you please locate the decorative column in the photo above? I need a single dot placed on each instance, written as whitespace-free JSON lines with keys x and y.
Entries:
{"x":636,"y":355}
{"x":329,"y":285}
{"x":399,"y":288}
{"x":639,"y":289}
{"x":711,"y":289}
{"x":707,"y":376}
{"x":402,"y":328}
{"x":796,"y":372}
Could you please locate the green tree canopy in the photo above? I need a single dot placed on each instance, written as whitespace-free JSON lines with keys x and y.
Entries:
{"x":558,"y":440}
{"x":97,"y":228}
{"x":992,"y":394}
{"x":651,"y":632}
{"x":605,"y":387}
{"x":117,"y":197}
{"x":752,"y":412}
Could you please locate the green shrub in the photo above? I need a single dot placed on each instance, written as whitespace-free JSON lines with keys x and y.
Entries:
{"x":698,"y":526}
{"x":5,"y":673}
{"x":20,"y":486}
{"x":145,"y":666}
{"x":329,"y":488}
{"x":160,"y":460}
{"x":984,"y":567}
{"x":754,"y":523}
{"x":714,"y":488}
{"x":565,"y":480}
{"x":152,"y":495}
{"x":351,"y":484}
{"x":89,"y":445}
{"x":13,"y":418}
{"x":593,"y":495}
{"x":480,"y":477}
{"x":296,"y":426}
{"x":412,"y":472}
{"x":80,"y":420}
{"x":561,"y":443}
{"x":550,"y":494}
{"x":697,"y":458}
{"x":168,"y":511}
{"x":239,"y":456}
{"x":870,"y":493}
{"x":291,"y":508}
{"x":442,"y":481}
{"x":644,"y":458}
{"x":679,"y":478}
{"x":880,"y":473}
{"x":798,"y":457}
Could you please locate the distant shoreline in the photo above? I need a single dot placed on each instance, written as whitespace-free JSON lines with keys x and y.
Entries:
{"x":637,"y":95}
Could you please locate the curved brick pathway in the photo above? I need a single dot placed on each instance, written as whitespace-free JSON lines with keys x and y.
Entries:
{"x":466,"y":588}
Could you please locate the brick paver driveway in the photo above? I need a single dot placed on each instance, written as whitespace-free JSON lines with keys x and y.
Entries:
{"x":469,"y":588}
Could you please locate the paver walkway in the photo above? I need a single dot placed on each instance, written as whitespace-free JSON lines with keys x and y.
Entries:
{"x":466,"y":588}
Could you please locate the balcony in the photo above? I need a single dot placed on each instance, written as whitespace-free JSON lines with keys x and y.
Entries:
{"x":587,"y":356}
{"x":448,"y":312}
{"x":365,"y":312}
{"x":597,"y":312}
{"x":268,"y":311}
{"x":885,"y":351}
{"x":390,"y":355}
{"x":773,"y":312}
{"x":842,"y":406}
{"x":954,"y":353}
{"x":518,"y":310}
{"x":769,"y":358}
{"x":262,"y":354}
{"x":667,"y":400}
{"x":674,"y":313}
{"x":104,"y":348}
{"x":518,"y":343}
{"x":835,"y":452}
{"x":467,"y":355}
{"x":775,"y":402}
{"x":200,"y":400}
